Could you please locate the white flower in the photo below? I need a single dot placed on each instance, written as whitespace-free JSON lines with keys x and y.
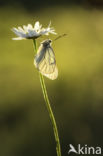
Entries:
{"x":30,"y":32}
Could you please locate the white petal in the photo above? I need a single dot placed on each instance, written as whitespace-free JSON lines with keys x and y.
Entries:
{"x":37,"y":26}
{"x":25,"y":28}
{"x":20,"y":29}
{"x":52,"y":32}
{"x":29,"y":27}
{"x":18,"y":38}
{"x":15,"y":29}
{"x":18,"y":32}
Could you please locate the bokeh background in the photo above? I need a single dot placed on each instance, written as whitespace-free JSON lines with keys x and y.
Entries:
{"x":76,"y":96}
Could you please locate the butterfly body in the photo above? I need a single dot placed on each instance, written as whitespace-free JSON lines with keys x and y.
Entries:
{"x":45,"y":60}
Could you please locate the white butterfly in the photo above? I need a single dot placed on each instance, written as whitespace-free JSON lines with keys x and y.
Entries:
{"x":45,"y":60}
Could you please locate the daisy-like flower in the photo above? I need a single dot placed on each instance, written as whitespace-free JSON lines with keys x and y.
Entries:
{"x":30,"y":32}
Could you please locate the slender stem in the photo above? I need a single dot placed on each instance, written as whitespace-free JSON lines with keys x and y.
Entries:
{"x":50,"y":114}
{"x":35,"y":45}
{"x":52,"y":118}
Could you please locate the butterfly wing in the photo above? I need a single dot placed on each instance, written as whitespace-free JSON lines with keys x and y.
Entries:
{"x":45,"y":62}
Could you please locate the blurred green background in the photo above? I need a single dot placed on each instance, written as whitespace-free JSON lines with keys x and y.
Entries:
{"x":76,"y":96}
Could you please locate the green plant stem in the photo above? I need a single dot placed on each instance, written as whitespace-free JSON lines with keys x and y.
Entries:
{"x":52,"y":118}
{"x":35,"y":45}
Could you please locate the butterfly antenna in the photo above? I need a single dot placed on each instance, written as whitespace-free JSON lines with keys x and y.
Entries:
{"x":59,"y":37}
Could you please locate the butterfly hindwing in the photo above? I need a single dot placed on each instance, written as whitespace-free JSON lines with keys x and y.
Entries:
{"x":46,"y":63}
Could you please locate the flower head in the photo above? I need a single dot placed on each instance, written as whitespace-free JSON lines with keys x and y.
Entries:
{"x":30,"y":32}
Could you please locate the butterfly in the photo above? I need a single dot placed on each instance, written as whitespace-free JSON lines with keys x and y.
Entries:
{"x":45,"y":60}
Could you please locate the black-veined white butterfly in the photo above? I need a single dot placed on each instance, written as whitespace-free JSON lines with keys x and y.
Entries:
{"x":45,"y":60}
